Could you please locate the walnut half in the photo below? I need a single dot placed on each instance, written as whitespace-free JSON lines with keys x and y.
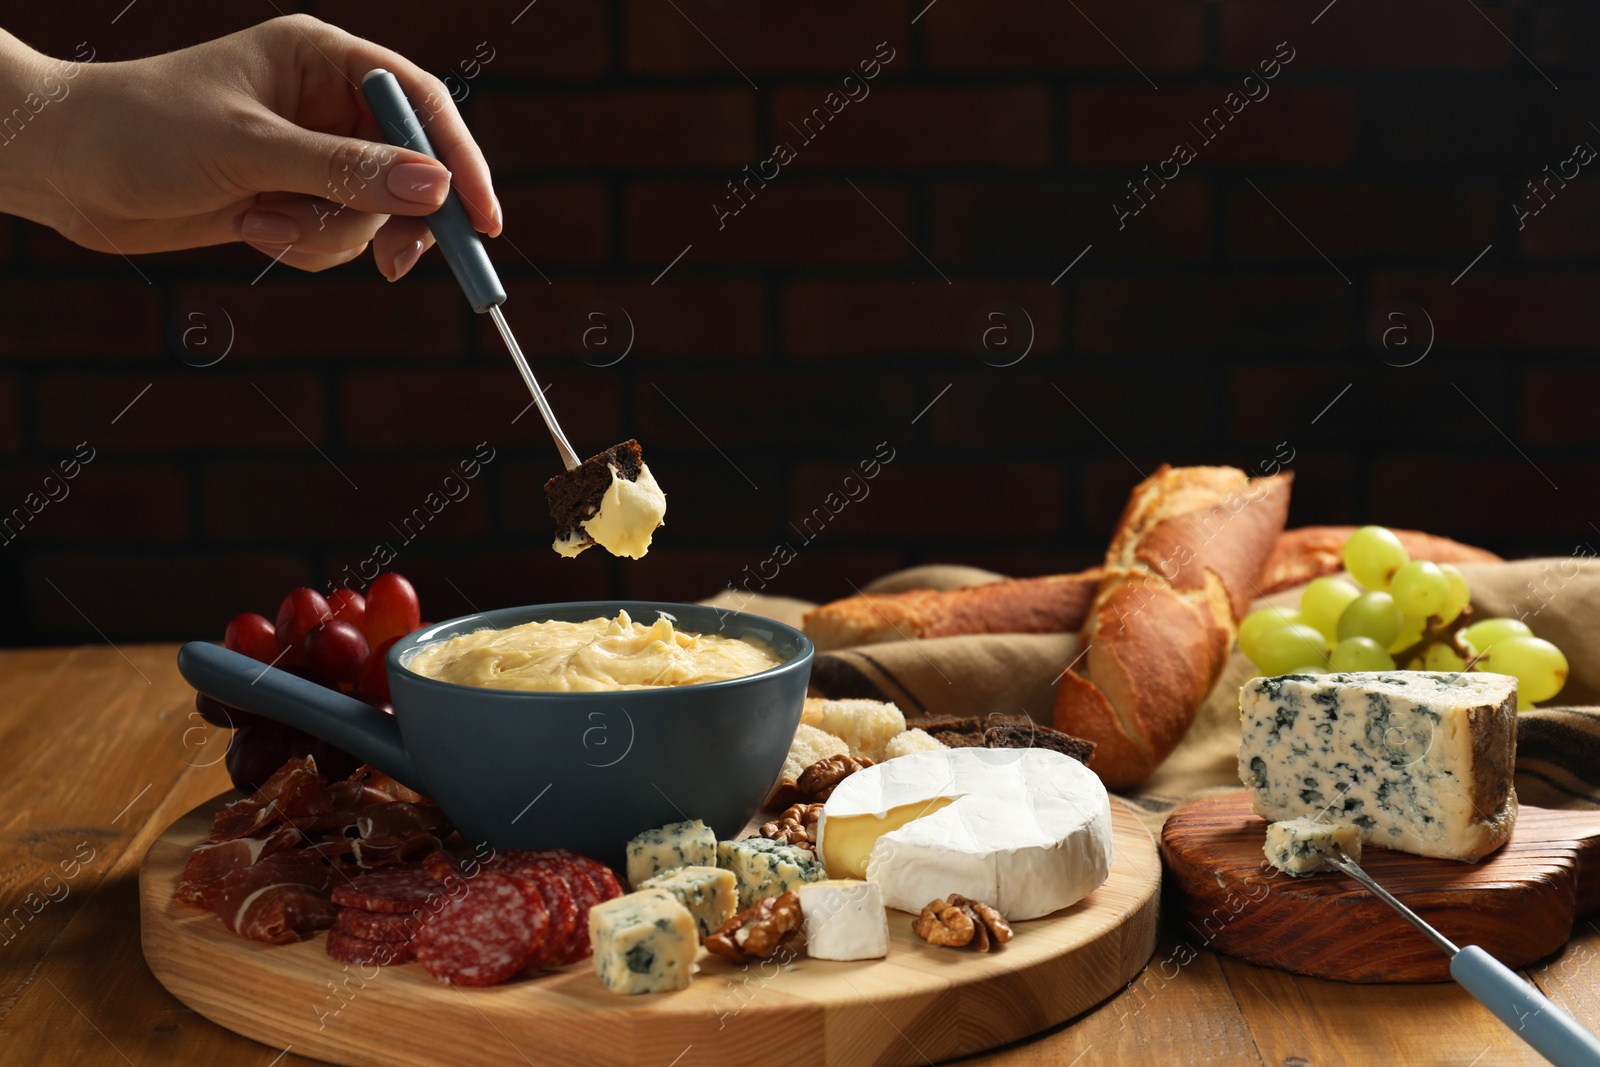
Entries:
{"x":818,"y":781}
{"x":797,"y":826}
{"x":943,"y":923}
{"x":959,"y":921}
{"x":758,"y":931}
{"x":992,"y":920}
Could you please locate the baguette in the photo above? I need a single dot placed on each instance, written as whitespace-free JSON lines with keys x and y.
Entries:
{"x":1056,"y":603}
{"x":1059,"y":603}
{"x":1181,"y":570}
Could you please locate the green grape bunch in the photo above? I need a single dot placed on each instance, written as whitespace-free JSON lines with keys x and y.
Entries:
{"x":1398,"y":613}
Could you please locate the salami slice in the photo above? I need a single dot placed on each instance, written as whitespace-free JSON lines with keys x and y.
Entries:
{"x":490,"y":932}
{"x":347,"y":948}
{"x":400,"y":890}
{"x":378,"y":925}
{"x":610,"y":886}
{"x":563,"y":914}
{"x":585,"y":894}
{"x":441,"y":865}
{"x":589,"y":881}
{"x":604,"y":878}
{"x":540,"y":871}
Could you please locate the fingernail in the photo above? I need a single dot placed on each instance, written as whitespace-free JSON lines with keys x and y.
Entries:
{"x":406,"y":259}
{"x":419,"y":183}
{"x":269,"y":227}
{"x":498,"y":220}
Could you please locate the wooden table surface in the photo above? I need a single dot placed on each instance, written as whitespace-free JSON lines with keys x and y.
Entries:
{"x":100,"y":751}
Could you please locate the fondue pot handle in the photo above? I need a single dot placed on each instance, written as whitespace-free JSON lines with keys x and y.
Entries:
{"x":360,"y":729}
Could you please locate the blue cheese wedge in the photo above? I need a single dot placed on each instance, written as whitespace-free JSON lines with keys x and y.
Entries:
{"x":1302,"y":846}
{"x":844,"y":920}
{"x":765,"y":868}
{"x":710,"y":894}
{"x":679,"y":844}
{"x":1417,"y":761}
{"x":644,"y":942}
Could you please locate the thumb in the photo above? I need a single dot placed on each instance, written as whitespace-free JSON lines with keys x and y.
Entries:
{"x":358,"y":174}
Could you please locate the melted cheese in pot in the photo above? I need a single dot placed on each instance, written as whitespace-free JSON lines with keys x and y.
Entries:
{"x":597,"y":655}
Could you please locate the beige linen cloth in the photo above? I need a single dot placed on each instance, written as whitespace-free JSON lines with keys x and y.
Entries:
{"x":1558,"y":746}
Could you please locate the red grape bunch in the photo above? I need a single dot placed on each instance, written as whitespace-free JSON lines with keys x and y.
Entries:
{"x":339,"y":641}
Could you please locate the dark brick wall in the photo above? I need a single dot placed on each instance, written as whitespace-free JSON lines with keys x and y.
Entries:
{"x":845,"y":304}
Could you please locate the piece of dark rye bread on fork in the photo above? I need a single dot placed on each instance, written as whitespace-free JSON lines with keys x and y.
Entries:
{"x":616,"y":480}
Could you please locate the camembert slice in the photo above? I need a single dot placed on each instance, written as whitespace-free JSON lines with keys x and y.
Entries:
{"x":1027,"y":830}
{"x":845,"y":920}
{"x":1420,"y":761}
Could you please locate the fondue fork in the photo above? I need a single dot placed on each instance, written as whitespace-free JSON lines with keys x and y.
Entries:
{"x":461,"y":247}
{"x":1553,"y":1033}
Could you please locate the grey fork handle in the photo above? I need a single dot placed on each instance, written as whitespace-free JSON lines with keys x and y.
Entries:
{"x":459,"y":242}
{"x":1553,"y":1033}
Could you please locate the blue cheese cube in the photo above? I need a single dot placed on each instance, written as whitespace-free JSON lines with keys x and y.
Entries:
{"x":710,"y":894}
{"x":679,"y":844}
{"x":1302,"y":846}
{"x":765,"y":868}
{"x":643,"y":942}
{"x":1418,"y":761}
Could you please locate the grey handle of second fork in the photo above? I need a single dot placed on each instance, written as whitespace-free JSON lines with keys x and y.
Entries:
{"x":1529,"y":1014}
{"x":459,"y":242}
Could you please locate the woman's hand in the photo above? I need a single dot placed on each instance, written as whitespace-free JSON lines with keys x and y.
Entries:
{"x":261,"y":136}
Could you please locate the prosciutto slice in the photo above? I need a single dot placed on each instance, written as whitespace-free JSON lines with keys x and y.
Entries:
{"x":397,"y":832}
{"x":267,"y":867}
{"x":279,"y":899}
{"x":387,"y":787}
{"x":380,"y":835}
{"x":290,"y":794}
{"x":212,"y":861}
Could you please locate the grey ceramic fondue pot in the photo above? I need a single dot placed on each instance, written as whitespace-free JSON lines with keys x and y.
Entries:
{"x":584,"y":771}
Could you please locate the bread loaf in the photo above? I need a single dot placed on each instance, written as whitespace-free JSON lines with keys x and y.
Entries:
{"x":1181,"y":570}
{"x":1313,"y":551}
{"x":1059,"y":603}
{"x":1056,"y":603}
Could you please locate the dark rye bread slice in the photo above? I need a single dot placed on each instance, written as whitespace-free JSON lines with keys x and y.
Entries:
{"x":574,"y":496}
{"x":954,"y":732}
{"x":1003,"y":731}
{"x":1032,"y":735}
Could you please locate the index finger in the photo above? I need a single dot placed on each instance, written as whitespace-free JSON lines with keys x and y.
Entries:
{"x":452,"y":143}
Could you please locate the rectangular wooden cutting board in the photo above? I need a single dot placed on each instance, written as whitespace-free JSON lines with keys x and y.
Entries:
{"x":1518,"y":903}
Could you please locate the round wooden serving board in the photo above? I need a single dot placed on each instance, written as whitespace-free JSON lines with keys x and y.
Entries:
{"x":919,"y":1004}
{"x":1518,"y":903}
